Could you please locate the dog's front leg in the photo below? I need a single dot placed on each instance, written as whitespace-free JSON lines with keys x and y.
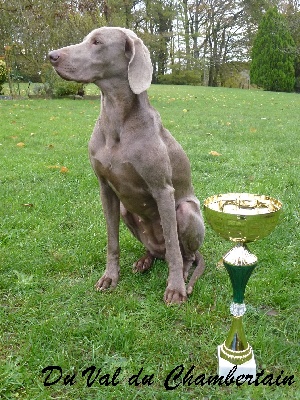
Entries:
{"x":111,"y":209}
{"x":175,"y":291}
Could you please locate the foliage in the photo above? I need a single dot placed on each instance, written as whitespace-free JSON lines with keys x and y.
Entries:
{"x":273,"y":54}
{"x":41,"y":89}
{"x":181,"y":77}
{"x":195,"y":34}
{"x":159,"y":16}
{"x":55,"y":86}
{"x":63,"y":88}
{"x":293,"y":20}
{"x":3,"y":74}
{"x":235,"y":75}
{"x":297,"y":84}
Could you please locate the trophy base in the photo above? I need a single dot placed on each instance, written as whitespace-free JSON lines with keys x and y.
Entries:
{"x":225,"y":368}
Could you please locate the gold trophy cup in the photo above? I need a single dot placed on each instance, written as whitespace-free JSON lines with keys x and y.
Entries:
{"x":240,"y":218}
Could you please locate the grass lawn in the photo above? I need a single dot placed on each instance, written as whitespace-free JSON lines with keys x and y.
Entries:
{"x":53,"y":249}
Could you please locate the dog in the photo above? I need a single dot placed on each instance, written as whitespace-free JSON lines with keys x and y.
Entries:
{"x":143,"y":173}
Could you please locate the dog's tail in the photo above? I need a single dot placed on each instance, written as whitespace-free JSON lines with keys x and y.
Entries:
{"x":198,"y":271}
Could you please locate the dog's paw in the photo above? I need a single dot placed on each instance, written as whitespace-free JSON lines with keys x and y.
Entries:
{"x":106,"y":282}
{"x":144,"y":263}
{"x":175,"y":295}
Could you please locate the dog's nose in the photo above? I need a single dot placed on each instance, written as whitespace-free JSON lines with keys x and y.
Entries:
{"x":54,"y":56}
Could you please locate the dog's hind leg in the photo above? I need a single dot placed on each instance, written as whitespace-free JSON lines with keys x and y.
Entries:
{"x":198,"y":271}
{"x":191,"y":233}
{"x":145,"y":234}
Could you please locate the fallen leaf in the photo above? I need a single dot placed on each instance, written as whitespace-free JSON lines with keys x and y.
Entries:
{"x":64,"y":170}
{"x":214,"y":153}
{"x":53,"y":166}
{"x":185,"y":110}
{"x":272,"y":312}
{"x":269,"y":311}
{"x":20,"y":144}
{"x":28,"y":205}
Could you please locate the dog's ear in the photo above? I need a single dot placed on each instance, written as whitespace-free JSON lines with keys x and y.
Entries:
{"x":140,"y":66}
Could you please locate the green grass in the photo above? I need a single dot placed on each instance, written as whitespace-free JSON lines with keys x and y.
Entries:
{"x":53,"y":249}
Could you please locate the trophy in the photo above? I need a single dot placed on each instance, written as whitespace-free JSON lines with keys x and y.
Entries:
{"x":240,"y":218}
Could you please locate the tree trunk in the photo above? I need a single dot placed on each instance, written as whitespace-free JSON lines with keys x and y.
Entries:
{"x":196,"y":32}
{"x":186,"y":33}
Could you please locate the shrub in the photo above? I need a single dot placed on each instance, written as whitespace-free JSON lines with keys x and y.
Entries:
{"x":3,"y":75}
{"x":64,"y":88}
{"x":56,"y":86}
{"x":41,"y":89}
{"x":297,"y":84}
{"x":181,"y":77}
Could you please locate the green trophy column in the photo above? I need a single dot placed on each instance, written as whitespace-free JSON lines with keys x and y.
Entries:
{"x":239,"y":263}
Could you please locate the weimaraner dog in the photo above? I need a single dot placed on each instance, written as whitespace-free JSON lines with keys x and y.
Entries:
{"x":144,"y":174}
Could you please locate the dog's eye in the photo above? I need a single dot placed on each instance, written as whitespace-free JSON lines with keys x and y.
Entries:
{"x":96,"y":42}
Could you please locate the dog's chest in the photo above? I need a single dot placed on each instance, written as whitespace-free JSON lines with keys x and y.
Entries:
{"x":122,"y":176}
{"x":109,"y":166}
{"x":118,"y":170}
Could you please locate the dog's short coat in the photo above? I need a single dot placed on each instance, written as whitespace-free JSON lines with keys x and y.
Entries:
{"x":144,"y":174}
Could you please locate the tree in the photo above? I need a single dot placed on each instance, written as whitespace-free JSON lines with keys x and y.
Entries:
{"x":293,"y":19}
{"x":273,"y":54}
{"x":154,"y":26}
{"x":200,"y":41}
{"x":211,"y":31}
{"x":32,"y":28}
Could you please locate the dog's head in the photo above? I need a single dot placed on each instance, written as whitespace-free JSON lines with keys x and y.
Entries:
{"x":106,"y":53}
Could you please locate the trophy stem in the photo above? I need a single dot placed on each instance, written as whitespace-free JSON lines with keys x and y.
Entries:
{"x":239,"y":263}
{"x":236,"y":349}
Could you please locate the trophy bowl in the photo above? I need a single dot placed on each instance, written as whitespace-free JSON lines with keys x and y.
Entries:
{"x":242,"y":217}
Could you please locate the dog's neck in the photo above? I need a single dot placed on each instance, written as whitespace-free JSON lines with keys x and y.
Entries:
{"x":118,"y":102}
{"x":117,"y":97}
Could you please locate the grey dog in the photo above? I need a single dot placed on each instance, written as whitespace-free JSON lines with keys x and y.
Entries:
{"x":144,"y":174}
